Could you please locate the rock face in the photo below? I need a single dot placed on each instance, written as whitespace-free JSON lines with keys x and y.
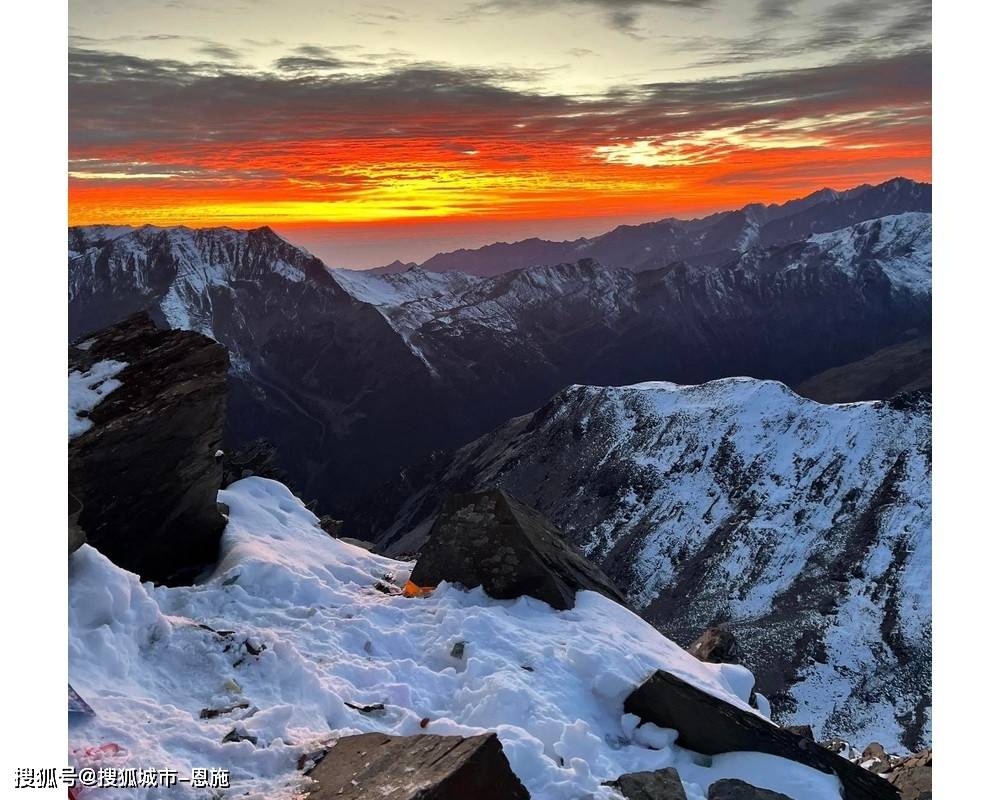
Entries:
{"x":662,"y":784}
{"x":912,"y":776}
{"x":708,"y":725}
{"x":717,"y":645}
{"x":489,"y":539}
{"x":145,"y":471}
{"x":731,"y":789}
{"x":808,"y":526}
{"x":420,"y":767}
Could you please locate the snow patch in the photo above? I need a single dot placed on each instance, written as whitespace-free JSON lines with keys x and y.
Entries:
{"x":88,"y":389}
{"x":551,"y":684}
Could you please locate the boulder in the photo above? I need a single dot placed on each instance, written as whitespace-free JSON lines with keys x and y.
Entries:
{"x":662,"y":784}
{"x":732,"y":789}
{"x":717,"y":645}
{"x":489,"y":539}
{"x":912,"y":776}
{"x":421,"y":767}
{"x":144,"y":471}
{"x":709,"y":725}
{"x":875,"y":759}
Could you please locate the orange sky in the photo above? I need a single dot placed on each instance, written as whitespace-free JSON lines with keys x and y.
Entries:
{"x":371,"y":146}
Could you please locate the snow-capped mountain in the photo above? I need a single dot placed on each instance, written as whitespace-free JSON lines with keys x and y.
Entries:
{"x":358,"y":375}
{"x":709,"y":242}
{"x":804,"y":526}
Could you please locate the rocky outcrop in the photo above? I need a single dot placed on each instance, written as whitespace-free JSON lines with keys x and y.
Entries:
{"x":732,"y":789}
{"x":489,"y":539}
{"x":716,"y":645}
{"x":708,"y":725}
{"x":912,"y":776}
{"x":144,"y":470}
{"x":422,"y":767}
{"x":661,"y":784}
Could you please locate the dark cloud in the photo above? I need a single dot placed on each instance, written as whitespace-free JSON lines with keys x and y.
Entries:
{"x":776,"y":10}
{"x":622,"y":15}
{"x":118,"y":99}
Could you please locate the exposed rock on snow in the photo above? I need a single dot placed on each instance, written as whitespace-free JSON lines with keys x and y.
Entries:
{"x":740,"y":790}
{"x":805,"y":526}
{"x":150,"y":659}
{"x":489,"y":539}
{"x":716,"y":645}
{"x":711,"y":726}
{"x":143,"y":471}
{"x":421,"y":767}
{"x":661,"y":784}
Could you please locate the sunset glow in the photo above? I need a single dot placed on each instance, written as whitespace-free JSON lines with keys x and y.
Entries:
{"x":318,"y":138}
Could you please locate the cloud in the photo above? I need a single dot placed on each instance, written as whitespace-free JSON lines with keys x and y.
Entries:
{"x":622,"y":15}
{"x":117,"y":97}
{"x":775,"y":10}
{"x":309,"y":138}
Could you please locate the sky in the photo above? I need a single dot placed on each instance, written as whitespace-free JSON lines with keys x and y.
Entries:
{"x":370,"y":132}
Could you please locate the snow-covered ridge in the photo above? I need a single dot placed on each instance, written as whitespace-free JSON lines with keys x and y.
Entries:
{"x":309,"y":632}
{"x":899,"y":244}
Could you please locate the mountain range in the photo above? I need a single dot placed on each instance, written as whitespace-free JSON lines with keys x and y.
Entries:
{"x":358,"y":375}
{"x":707,"y":242}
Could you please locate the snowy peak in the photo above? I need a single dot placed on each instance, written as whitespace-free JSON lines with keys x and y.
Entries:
{"x":181,"y":270}
{"x":899,"y":245}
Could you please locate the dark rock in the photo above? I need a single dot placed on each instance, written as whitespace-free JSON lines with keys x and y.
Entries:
{"x":77,"y":705}
{"x":145,"y":473}
{"x":370,"y":709}
{"x":255,"y":458}
{"x":239,"y":736}
{"x":731,"y":789}
{"x":422,"y":767}
{"x":489,"y":539}
{"x":663,"y":784}
{"x":76,"y":535}
{"x":708,"y":725}
{"x":912,"y":776}
{"x":458,"y":650}
{"x":717,"y":645}
{"x":358,"y":543}
{"x":801,"y":731}
{"x":331,"y":526}
{"x":212,"y":713}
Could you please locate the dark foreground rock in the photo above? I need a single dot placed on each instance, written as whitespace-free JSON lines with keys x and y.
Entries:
{"x":732,"y":789}
{"x":717,"y":645}
{"x":145,"y":473}
{"x":422,"y":767}
{"x":661,"y":784}
{"x":912,"y":776}
{"x":489,"y":539}
{"x":711,"y":726}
